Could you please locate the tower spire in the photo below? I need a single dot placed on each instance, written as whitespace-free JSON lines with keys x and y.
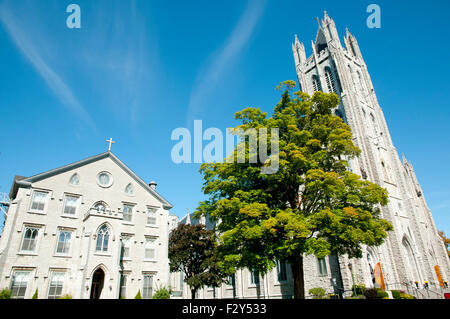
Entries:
{"x":318,"y":22}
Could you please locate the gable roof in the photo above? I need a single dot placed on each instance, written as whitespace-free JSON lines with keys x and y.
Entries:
{"x":27,"y":181}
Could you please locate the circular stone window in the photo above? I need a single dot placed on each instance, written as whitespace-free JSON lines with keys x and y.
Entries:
{"x":104,"y":179}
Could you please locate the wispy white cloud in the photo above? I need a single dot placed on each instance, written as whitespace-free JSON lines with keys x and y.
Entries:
{"x":22,"y":39}
{"x":222,"y":60}
{"x":120,"y":55}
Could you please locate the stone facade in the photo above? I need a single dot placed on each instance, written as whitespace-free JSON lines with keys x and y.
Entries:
{"x":414,"y":248}
{"x":117,"y":225}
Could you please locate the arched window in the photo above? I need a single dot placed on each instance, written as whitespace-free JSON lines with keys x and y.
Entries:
{"x":362,"y":86}
{"x":331,"y":85}
{"x":30,"y":239}
{"x":374,"y":124}
{"x":385,"y":172}
{"x":102,"y":239}
{"x":371,"y":263}
{"x":100,"y":207}
{"x":316,"y":83}
{"x":129,"y":190}
{"x":411,"y":263}
{"x":75,"y":179}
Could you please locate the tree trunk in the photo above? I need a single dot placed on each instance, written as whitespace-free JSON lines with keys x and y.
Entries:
{"x":299,"y":279}
{"x":193,"y":291}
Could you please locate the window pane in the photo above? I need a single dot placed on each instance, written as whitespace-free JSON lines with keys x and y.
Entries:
{"x":126,"y":242}
{"x":148,"y":285}
{"x":30,"y":238}
{"x":254,"y":278}
{"x":71,"y":204}
{"x":102,"y":239}
{"x":281,"y":270}
{"x":56,"y":285}
{"x":38,"y":201}
{"x":149,"y":248}
{"x":123,"y":286}
{"x":127,"y":213}
{"x":129,"y":189}
{"x":151,"y":216}
{"x":103,"y":179}
{"x":19,"y":284}
{"x":74,"y":180}
{"x":322,"y":267}
{"x":63,"y":242}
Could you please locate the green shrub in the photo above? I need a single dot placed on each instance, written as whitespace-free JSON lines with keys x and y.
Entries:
{"x":371,"y":293}
{"x":318,"y":293}
{"x":5,"y":294}
{"x":356,"y":297}
{"x":138,"y":295}
{"x":162,"y":293}
{"x":396,"y":294}
{"x":382,"y":294}
{"x":35,"y":296}
{"x":66,"y":296}
{"x":359,"y":288}
{"x":406,"y":296}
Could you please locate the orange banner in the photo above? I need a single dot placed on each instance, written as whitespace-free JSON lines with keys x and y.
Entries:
{"x":439,"y":276}
{"x":378,"y":273}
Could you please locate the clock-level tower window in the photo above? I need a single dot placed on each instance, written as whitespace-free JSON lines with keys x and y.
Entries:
{"x":316,"y":83}
{"x":331,"y":85}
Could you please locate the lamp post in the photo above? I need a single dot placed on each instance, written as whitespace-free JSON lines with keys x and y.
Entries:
{"x":353,"y":278}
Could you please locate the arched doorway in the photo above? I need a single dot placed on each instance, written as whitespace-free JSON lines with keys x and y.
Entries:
{"x":98,"y":280}
{"x":412,"y":268}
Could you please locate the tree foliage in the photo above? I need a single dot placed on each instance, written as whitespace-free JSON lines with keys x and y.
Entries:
{"x":312,"y":205}
{"x":5,"y":294}
{"x":138,"y":295}
{"x":192,"y":250}
{"x":162,"y":293}
{"x":446,"y":242}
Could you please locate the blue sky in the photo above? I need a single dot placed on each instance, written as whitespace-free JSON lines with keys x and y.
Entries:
{"x":136,"y":70}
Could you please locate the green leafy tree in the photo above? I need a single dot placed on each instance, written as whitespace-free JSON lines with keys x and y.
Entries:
{"x":312,"y":205}
{"x":192,"y":250}
{"x":138,"y":295}
{"x":35,"y":296}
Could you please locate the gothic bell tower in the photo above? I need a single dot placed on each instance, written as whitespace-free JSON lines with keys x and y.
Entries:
{"x":413,"y":249}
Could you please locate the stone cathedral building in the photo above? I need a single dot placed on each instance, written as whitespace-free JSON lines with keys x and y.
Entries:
{"x":413,"y":252}
{"x":413,"y":255}
{"x":90,"y":229}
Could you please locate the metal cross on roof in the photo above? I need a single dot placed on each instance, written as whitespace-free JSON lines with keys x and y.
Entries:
{"x":110,"y":141}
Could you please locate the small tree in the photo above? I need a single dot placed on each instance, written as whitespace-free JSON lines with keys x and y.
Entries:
{"x":138,"y":295}
{"x":5,"y":294}
{"x":35,"y":296}
{"x":162,"y":293}
{"x":359,"y":289}
{"x":317,"y":293}
{"x":192,"y":250}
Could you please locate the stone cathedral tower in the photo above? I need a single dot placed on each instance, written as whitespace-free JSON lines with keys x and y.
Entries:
{"x":413,"y":252}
